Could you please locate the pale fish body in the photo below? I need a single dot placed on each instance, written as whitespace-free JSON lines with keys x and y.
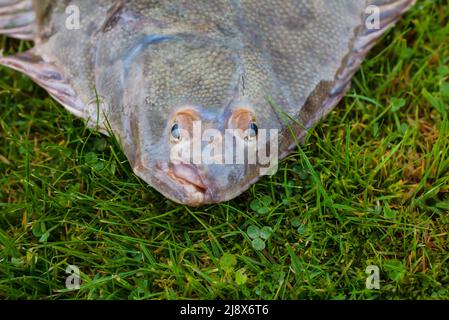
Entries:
{"x":147,"y":71}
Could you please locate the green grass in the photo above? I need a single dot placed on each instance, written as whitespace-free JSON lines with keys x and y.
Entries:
{"x":370,"y":186}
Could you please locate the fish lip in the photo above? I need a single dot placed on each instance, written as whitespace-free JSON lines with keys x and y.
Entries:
{"x":186,"y":174}
{"x":192,"y":194}
{"x":185,"y":177}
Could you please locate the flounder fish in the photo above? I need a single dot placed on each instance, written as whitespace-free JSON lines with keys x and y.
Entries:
{"x":204,"y":96}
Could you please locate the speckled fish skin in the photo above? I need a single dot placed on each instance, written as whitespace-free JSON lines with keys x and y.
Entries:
{"x":144,"y":63}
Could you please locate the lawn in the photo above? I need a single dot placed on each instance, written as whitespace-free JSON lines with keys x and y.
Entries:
{"x":369,"y":186}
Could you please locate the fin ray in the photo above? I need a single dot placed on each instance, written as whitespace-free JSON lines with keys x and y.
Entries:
{"x":17,"y":19}
{"x":390,"y":13}
{"x":48,"y":76}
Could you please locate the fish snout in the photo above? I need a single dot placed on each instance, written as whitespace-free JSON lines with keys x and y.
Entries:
{"x":189,"y":176}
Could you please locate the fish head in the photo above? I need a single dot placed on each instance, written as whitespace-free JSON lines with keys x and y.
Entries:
{"x":192,"y":132}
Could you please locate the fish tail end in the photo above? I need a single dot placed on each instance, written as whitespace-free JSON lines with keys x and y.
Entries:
{"x":17,"y":19}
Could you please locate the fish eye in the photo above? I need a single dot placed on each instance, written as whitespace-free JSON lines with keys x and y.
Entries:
{"x":253,"y":131}
{"x":176,"y":133}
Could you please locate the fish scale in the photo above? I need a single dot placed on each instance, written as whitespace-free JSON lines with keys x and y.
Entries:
{"x":141,"y":70}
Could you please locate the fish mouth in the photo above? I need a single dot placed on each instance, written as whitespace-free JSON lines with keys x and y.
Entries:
{"x":181,"y":183}
{"x":187,"y":176}
{"x":184,"y":184}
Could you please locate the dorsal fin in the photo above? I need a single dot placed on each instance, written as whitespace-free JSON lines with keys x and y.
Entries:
{"x":52,"y":78}
{"x":315,"y":108}
{"x":390,"y":12}
{"x":48,"y":76}
{"x":17,"y":19}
